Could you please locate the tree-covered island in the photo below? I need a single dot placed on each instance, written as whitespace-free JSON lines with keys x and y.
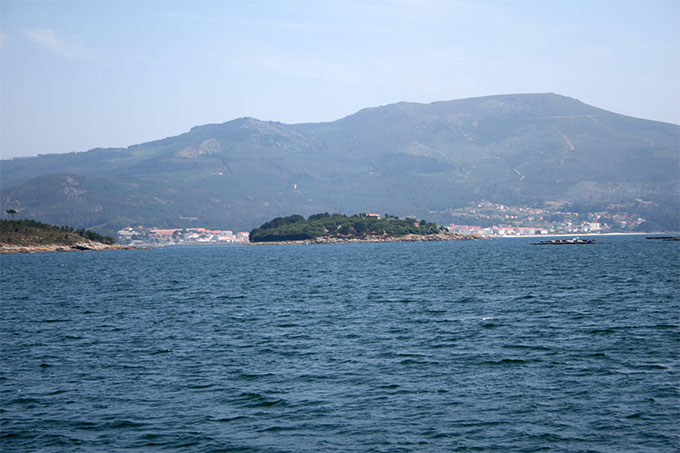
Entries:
{"x":328,"y":228}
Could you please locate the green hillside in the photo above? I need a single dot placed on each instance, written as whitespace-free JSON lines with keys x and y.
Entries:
{"x":30,"y":233}
{"x":423,"y":160}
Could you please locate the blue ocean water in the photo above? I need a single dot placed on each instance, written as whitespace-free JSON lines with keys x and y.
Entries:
{"x":454,"y":346}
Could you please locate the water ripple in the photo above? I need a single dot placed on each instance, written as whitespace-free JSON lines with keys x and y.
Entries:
{"x":475,"y":346}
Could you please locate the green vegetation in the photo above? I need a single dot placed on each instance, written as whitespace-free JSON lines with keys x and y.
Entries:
{"x":29,"y":232}
{"x":296,"y":228}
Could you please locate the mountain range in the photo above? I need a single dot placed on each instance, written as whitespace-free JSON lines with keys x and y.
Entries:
{"x":404,"y":159}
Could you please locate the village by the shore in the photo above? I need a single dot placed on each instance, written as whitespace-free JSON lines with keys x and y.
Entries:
{"x":140,"y":236}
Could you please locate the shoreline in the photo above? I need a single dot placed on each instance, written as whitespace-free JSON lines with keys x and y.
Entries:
{"x":376,"y":239}
{"x":88,"y":246}
{"x":559,"y":235}
{"x":85,"y":246}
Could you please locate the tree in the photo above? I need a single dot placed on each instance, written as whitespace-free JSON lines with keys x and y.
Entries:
{"x":11,"y":212}
{"x":295,"y":218}
{"x":325,"y":215}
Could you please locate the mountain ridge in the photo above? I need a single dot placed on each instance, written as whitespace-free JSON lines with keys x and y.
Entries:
{"x":406,"y":158}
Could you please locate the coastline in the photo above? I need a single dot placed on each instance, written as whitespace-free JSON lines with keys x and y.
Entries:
{"x":84,"y":246}
{"x":375,"y":239}
{"x":573,"y":235}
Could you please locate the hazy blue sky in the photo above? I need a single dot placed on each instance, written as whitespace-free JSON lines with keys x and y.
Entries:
{"x":85,"y":74}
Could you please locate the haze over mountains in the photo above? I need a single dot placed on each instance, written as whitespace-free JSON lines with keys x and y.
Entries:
{"x":403,"y":159}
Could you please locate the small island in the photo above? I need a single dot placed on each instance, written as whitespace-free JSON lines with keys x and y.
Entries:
{"x":29,"y":236}
{"x":338,"y":228}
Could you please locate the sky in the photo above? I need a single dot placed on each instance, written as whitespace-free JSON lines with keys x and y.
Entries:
{"x":77,"y":75}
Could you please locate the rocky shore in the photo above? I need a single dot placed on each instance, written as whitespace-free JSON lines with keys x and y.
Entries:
{"x":77,"y":247}
{"x":404,"y":238}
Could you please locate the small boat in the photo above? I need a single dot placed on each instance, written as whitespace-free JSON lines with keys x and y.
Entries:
{"x":573,"y":241}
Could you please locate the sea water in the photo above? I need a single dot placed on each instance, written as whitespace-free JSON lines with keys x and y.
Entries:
{"x":491,"y":345}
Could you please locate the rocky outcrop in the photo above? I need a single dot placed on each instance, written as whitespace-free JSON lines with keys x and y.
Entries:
{"x":80,"y":246}
{"x":404,"y":238}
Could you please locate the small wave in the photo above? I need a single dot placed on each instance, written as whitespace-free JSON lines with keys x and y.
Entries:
{"x":122,"y":424}
{"x":25,"y":400}
{"x":151,"y":436}
{"x":443,"y":345}
{"x":16,"y":435}
{"x":503,"y":362}
{"x":466,"y":300}
{"x":415,"y":362}
{"x":602,"y":331}
{"x":276,"y":429}
{"x":513,"y":361}
{"x":86,"y":425}
{"x":254,"y":376}
{"x":56,"y":392}
{"x":201,"y":386}
{"x":490,"y":322}
{"x":57,"y":440}
{"x":229,"y":419}
{"x":445,"y":320}
{"x":314,"y":377}
{"x":651,"y":366}
{"x":526,"y":346}
{"x":256,"y":400}
{"x":552,"y":437}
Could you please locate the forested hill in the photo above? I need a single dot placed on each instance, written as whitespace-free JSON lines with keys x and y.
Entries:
{"x":297,"y":228}
{"x":423,"y":160}
{"x":31,"y":233}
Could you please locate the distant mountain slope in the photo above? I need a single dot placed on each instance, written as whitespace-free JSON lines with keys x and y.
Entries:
{"x":405,"y":158}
